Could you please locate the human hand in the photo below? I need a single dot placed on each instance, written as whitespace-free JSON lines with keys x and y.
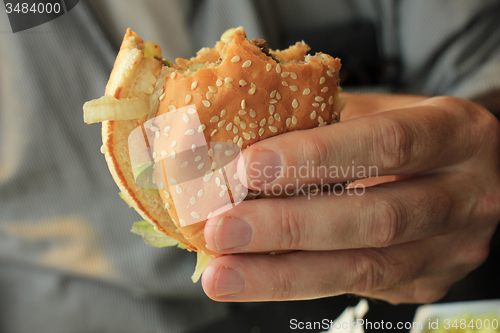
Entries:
{"x":407,"y":240}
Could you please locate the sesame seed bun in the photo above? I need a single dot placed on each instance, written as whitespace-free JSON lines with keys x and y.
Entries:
{"x":243,"y":93}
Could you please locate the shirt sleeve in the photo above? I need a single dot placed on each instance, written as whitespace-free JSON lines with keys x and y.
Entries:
{"x":450,"y":48}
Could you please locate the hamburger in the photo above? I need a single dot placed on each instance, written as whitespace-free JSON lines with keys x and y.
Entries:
{"x":227,"y":97}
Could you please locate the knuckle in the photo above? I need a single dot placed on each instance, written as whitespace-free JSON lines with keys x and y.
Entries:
{"x":283,"y":286}
{"x":386,"y":225}
{"x":316,"y":150}
{"x":368,"y":272}
{"x":393,"y":144}
{"x":291,"y":230}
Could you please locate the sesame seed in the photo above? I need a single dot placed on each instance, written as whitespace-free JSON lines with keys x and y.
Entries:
{"x":167,"y":206}
{"x":167,"y":129}
{"x":185,"y":118}
{"x":306,"y":91}
{"x":330,"y":100}
{"x":218,"y":146}
{"x":194,"y":85}
{"x":229,"y":126}
{"x":218,"y":82}
{"x":238,"y":187}
{"x":162,"y":96}
{"x":253,"y":135}
{"x":270,"y":120}
{"x":214,"y":165}
{"x":223,"y":113}
{"x":213,"y":132}
{"x":273,"y":93}
{"x":278,"y":96}
{"x":228,"y":79}
{"x":228,"y":85}
{"x":272,"y":108}
{"x":201,"y":165}
{"x":235,"y":176}
{"x":163,"y":153}
{"x":207,"y":177}
{"x":318,"y":98}
{"x":221,"y":123}
{"x":235,"y":129}
{"x":185,"y":164}
{"x":253,"y":125}
{"x":273,"y":101}
{"x":237,"y":120}
{"x":288,"y":121}
{"x":284,"y":83}
{"x":210,"y":151}
{"x":313,"y":114}
{"x":261,"y":131}
{"x":173,"y":154}
{"x":217,"y":181}
{"x":323,"y":106}
{"x":315,"y":104}
{"x":251,"y":91}
{"x":191,"y":111}
{"x":172,"y":76}
{"x":173,"y":143}
{"x":332,"y":69}
{"x":240,"y":142}
{"x":201,"y":128}
{"x":182,"y":222}
{"x":294,"y":120}
{"x":278,"y":68}
{"x":209,"y":94}
{"x":198,"y":158}
{"x":157,"y":134}
{"x":293,"y":75}
{"x":329,"y":73}
{"x":277,"y":116}
{"x":206,"y":103}
{"x":195,"y":215}
{"x":178,"y":189}
{"x":154,"y":128}
{"x":229,"y":152}
{"x":212,"y":89}
{"x":236,"y":58}
{"x":252,"y":113}
{"x":171,"y":107}
{"x":243,"y":83}
{"x":236,"y":138}
{"x":246,"y":64}
{"x":243,"y":104}
{"x":268,"y":67}
{"x":172,"y":181}
{"x":273,"y":129}
{"x":189,"y":132}
{"x":154,"y":154}
{"x":243,"y":125}
{"x":324,"y":89}
{"x":246,"y":136}
{"x":295,"y":103}
{"x":221,"y":194}
{"x":214,"y":119}
{"x":322,"y":80}
{"x":200,"y":193}
{"x":320,"y":119}
{"x":263,"y":122}
{"x":193,"y":147}
{"x":285,"y":74}
{"x":294,"y":88}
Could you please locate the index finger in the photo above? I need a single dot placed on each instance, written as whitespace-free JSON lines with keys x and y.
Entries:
{"x":402,"y":141}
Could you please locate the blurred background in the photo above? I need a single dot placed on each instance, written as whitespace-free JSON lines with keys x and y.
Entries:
{"x":68,"y":262}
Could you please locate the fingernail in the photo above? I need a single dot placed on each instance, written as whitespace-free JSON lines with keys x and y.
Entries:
{"x":229,"y":282}
{"x":262,"y":167}
{"x":232,"y":233}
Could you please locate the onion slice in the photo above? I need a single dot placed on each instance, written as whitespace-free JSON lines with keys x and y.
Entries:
{"x":110,"y":108}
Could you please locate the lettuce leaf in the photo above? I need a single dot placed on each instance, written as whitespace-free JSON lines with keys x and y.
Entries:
{"x":201,"y":264}
{"x":151,"y":236}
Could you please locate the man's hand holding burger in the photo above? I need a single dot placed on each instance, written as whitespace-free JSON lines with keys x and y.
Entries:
{"x":406,"y":240}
